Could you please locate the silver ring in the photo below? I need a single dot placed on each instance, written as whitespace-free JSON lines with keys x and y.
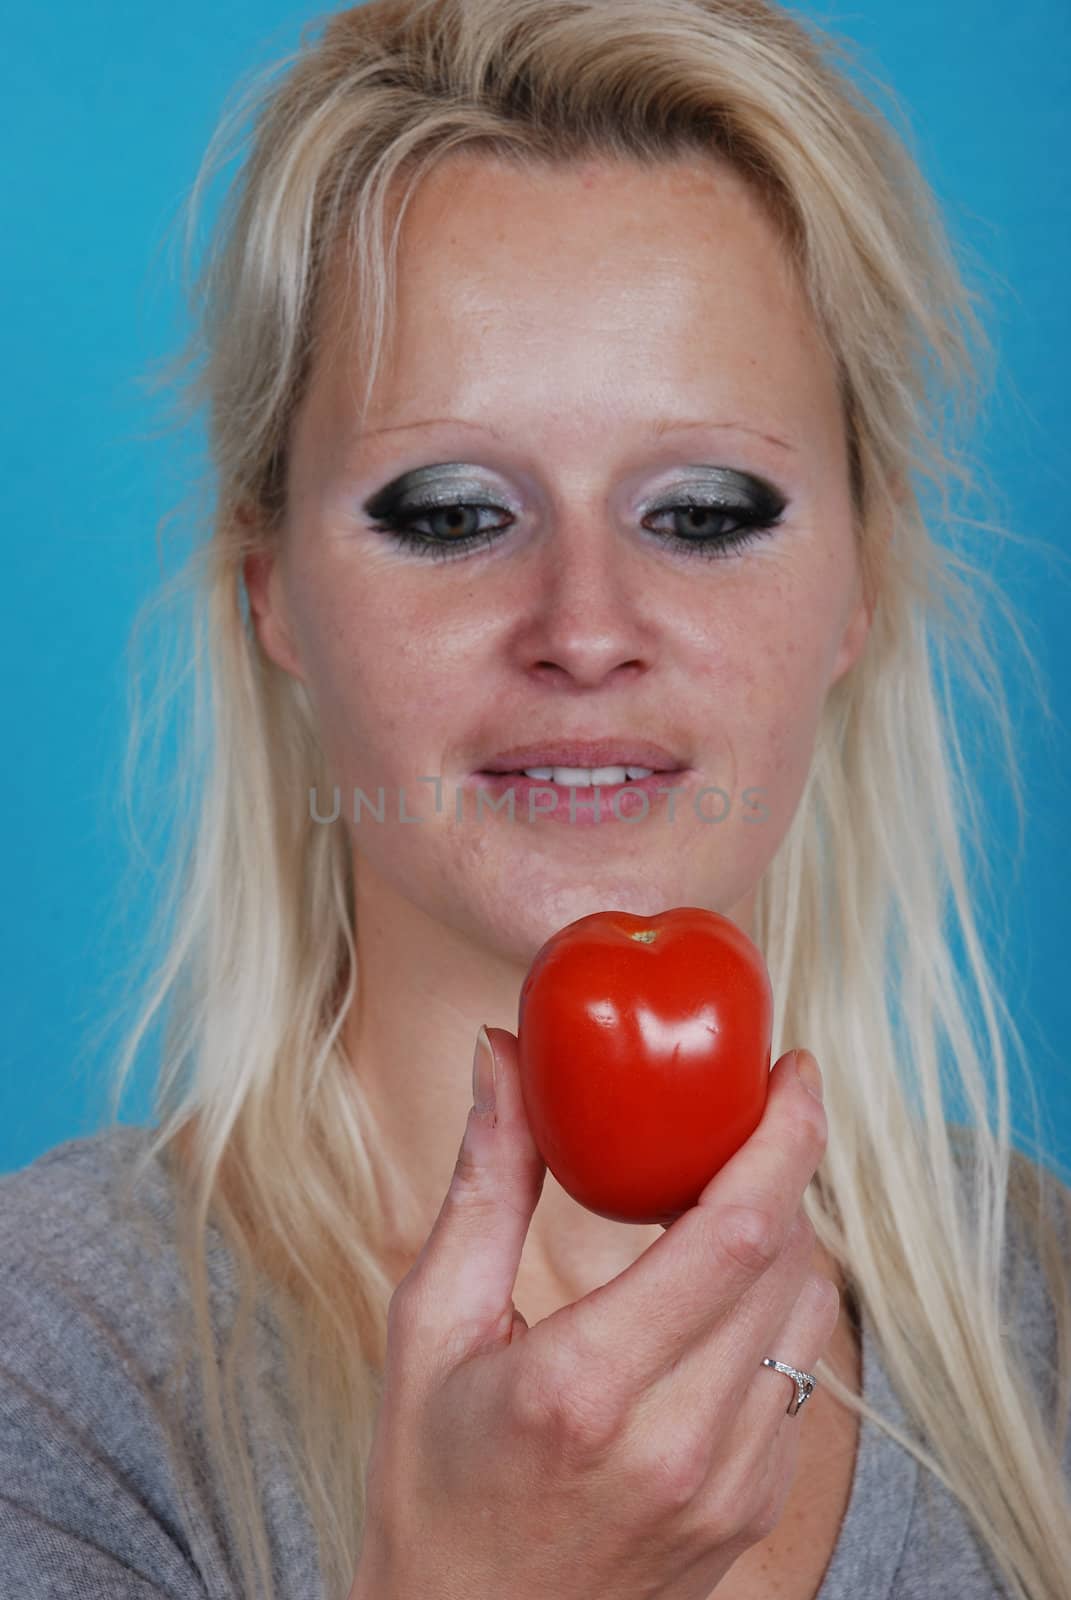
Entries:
{"x":805,"y":1382}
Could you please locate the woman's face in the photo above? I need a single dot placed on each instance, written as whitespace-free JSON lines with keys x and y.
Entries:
{"x":576,"y":356}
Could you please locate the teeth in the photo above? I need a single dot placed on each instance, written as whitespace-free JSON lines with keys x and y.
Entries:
{"x":585,"y":777}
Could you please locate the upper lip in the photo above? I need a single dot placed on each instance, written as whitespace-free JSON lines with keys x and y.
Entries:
{"x":587,"y":754}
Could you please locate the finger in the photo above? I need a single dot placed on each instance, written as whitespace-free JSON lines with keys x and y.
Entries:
{"x":460,"y":1288}
{"x":759,"y":1427}
{"x":640,"y":1322}
{"x":805,"y":1336}
{"x":699,"y":1396}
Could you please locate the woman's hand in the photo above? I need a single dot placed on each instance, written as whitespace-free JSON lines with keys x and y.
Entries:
{"x":631,"y":1444}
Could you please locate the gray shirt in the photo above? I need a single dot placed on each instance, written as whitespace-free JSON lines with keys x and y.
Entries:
{"x":88,"y":1504}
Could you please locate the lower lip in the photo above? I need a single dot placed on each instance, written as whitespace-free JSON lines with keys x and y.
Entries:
{"x":580,"y":806}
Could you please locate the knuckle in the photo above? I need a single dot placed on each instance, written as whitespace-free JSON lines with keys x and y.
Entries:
{"x":400,"y":1309}
{"x":823,"y":1300}
{"x":802,"y":1236}
{"x":751,"y":1504}
{"x":552,"y":1401}
{"x":412,"y":1326}
{"x":777,"y":1486}
{"x":534,"y":1398}
{"x":409,"y":1334}
{"x":750,"y":1236}
{"x":673,"y":1473}
{"x":764,"y":1520}
{"x":472,"y":1188}
{"x":812,"y":1124}
{"x":586,"y":1424}
{"x":722,"y":1519}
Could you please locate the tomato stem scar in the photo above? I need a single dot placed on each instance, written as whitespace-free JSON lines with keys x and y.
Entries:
{"x":648,"y":936}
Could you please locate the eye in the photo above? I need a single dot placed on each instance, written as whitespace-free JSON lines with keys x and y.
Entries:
{"x":737,"y":510}
{"x":454,"y":526}
{"x":704,"y":524}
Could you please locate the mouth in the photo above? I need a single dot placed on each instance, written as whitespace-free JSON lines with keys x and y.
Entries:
{"x":579,"y":797}
{"x":585,"y":763}
{"x":581,"y":777}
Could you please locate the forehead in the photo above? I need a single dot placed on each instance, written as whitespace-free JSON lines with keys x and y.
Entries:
{"x":526,"y":288}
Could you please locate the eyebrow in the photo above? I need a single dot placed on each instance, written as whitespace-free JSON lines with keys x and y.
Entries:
{"x":660,"y":428}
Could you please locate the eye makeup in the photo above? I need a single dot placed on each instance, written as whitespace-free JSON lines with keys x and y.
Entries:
{"x":446,"y":494}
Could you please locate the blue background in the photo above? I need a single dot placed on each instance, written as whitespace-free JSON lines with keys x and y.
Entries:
{"x":106,"y":111}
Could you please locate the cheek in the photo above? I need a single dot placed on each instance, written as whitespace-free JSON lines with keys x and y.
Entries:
{"x":382,"y":676}
{"x":768,"y":682}
{"x":341,"y":647}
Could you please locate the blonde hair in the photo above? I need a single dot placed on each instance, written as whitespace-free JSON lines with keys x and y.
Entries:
{"x":886,"y":858}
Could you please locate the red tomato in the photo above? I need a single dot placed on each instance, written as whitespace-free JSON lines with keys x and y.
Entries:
{"x":644,"y":1047}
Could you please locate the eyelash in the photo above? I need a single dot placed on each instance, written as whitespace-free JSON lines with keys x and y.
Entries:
{"x":715,"y":547}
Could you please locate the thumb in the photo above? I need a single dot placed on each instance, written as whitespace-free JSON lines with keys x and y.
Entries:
{"x":471,"y":1257}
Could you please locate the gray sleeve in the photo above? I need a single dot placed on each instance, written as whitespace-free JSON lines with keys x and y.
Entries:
{"x":94,"y":1311}
{"x":942,"y":1553}
{"x":44,"y":1562}
{"x":87,"y":1510}
{"x":77,"y":1516}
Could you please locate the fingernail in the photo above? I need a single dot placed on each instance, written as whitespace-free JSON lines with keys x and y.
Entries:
{"x":483,"y":1074}
{"x":808,"y":1073}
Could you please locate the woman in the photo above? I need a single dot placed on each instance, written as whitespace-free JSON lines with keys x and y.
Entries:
{"x":573,"y":367}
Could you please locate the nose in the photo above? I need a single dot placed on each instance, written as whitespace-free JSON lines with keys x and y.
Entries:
{"x":586,"y":617}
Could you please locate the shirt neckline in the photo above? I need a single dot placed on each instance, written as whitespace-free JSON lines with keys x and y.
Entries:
{"x":872,"y":1536}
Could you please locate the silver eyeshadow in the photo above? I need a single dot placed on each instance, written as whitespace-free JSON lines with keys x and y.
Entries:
{"x":451,"y":481}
